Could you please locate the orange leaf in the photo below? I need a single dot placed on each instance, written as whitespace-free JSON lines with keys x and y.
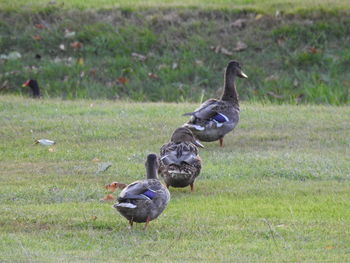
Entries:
{"x":76,"y":45}
{"x":112,"y":186}
{"x":122,"y":80}
{"x":37,"y":37}
{"x":153,"y":75}
{"x":39,"y":26}
{"x":313,"y":50}
{"x":108,"y":197}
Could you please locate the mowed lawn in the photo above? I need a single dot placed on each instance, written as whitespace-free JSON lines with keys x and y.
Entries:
{"x":265,"y":6}
{"x":277,"y":192}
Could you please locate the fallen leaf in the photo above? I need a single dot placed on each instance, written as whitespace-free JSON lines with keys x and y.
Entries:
{"x":239,"y":23}
{"x":112,"y":186}
{"x":122,"y":80}
{"x":329,"y":247}
{"x":39,"y":26}
{"x":95,"y":159}
{"x":281,"y":40}
{"x":45,"y":142}
{"x":51,"y":150}
{"x":226,"y":52}
{"x":80,"y":61}
{"x":272,"y":94}
{"x":82,"y":74}
{"x":62,"y":47}
{"x":258,"y":16}
{"x":68,"y":33}
{"x":153,"y":75}
{"x":102,"y":167}
{"x":37,"y":37}
{"x":174,"y":65}
{"x":295,"y":83}
{"x":108,"y":197}
{"x":138,"y":56}
{"x":199,"y":62}
{"x":240,"y":46}
{"x":76,"y":45}
{"x":313,"y":50}
{"x":94,"y":218}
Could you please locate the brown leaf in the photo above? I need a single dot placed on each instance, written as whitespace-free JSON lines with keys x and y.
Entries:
{"x":274,"y":95}
{"x":226,"y":52}
{"x":281,"y":40}
{"x":112,"y":186}
{"x":313,"y":50}
{"x":76,"y":45}
{"x":95,"y":160}
{"x":239,"y":23}
{"x":220,"y":49}
{"x":51,"y":150}
{"x":37,"y":37}
{"x":94,"y":218}
{"x":153,"y":75}
{"x":122,"y":80}
{"x":138,"y":56}
{"x":329,"y":247}
{"x":240,"y":46}
{"x":108,"y":197}
{"x":39,"y":26}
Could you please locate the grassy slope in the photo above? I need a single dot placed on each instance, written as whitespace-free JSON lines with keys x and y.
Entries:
{"x":277,"y":192}
{"x":305,"y":55}
{"x":266,"y":6}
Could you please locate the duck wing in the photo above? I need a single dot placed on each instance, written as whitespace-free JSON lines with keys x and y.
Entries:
{"x":206,"y":110}
{"x":178,"y":153}
{"x":137,"y":190}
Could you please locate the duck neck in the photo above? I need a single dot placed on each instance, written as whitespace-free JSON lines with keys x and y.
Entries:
{"x":151,"y":171}
{"x":230,"y":92}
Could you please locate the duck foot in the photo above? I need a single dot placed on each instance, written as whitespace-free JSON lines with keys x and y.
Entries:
{"x":221,"y":142}
{"x":192,"y":187}
{"x":147,"y":222}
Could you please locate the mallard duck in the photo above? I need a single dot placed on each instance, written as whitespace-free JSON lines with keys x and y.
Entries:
{"x":180,"y":163}
{"x":34,"y":86}
{"x":216,"y":117}
{"x":144,"y":200}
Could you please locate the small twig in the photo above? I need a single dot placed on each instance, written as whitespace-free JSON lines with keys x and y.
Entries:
{"x":271,"y":231}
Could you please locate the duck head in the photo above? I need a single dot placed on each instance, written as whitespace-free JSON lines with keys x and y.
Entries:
{"x":34,"y":86}
{"x":185,"y":135}
{"x":152,"y":165}
{"x":234,"y":68}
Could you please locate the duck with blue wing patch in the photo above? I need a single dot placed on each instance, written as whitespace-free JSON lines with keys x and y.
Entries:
{"x":144,"y":200}
{"x":217,"y":117}
{"x":180,"y":163}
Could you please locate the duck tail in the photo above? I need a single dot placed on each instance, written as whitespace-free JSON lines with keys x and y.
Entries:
{"x":189,"y":114}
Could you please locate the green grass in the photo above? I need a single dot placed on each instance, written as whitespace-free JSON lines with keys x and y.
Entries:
{"x":292,"y":58}
{"x":277,"y":192}
{"x":268,"y":6}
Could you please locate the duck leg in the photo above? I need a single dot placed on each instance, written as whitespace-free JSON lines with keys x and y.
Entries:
{"x":131,"y":223}
{"x":192,"y":187}
{"x":221,"y":142}
{"x":147,"y":222}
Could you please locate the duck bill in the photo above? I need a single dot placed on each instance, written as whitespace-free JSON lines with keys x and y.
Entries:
{"x":197,"y":143}
{"x":242,"y":75}
{"x":25,"y":84}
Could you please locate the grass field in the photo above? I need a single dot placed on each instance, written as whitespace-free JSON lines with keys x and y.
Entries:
{"x":277,"y":192}
{"x":299,"y":56}
{"x":264,"y":6}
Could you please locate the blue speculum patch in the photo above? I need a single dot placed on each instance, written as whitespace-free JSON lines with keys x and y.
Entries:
{"x":150,"y":194}
{"x":220,"y":118}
